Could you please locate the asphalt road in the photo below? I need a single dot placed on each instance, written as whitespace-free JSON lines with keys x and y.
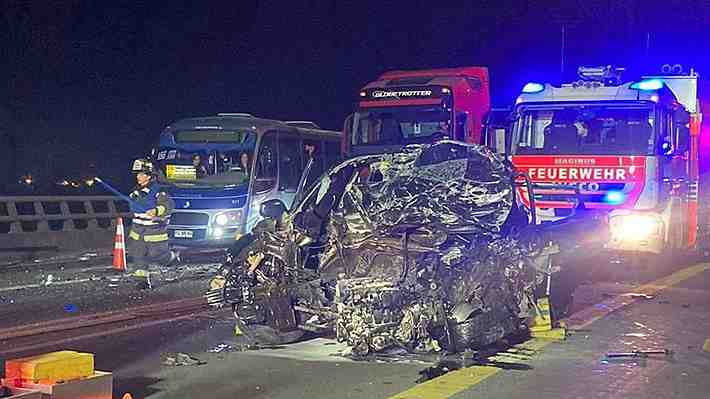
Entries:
{"x":675,"y":316}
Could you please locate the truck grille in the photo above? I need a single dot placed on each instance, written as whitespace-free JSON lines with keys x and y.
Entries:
{"x":189,"y":219}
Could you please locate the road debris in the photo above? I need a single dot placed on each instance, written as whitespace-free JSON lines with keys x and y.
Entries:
{"x":636,"y":335}
{"x":182,"y":359}
{"x":640,"y":353}
{"x":637,"y":295}
{"x":220,"y":348}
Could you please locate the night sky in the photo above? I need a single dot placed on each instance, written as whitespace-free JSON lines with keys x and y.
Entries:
{"x":88,"y":85}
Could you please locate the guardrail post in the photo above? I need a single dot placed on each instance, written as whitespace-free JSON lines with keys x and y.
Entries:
{"x":15,"y":226}
{"x":92,"y":223}
{"x":42,"y":224}
{"x":113,"y":212}
{"x":68,"y":224}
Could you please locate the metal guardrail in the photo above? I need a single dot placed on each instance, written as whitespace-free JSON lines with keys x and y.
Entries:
{"x":31,"y":222}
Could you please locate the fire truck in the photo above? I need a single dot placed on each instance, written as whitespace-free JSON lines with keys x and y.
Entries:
{"x":409,"y":107}
{"x":627,"y":147}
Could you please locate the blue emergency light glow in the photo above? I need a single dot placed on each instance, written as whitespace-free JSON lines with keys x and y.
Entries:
{"x":666,"y":148}
{"x":533,"y":87}
{"x":647,"y":85}
{"x":614,"y":197}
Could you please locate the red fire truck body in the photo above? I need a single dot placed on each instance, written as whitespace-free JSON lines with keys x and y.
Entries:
{"x":631,"y":148}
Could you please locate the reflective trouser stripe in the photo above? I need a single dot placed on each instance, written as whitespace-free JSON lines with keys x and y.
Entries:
{"x":155,"y":237}
{"x":149,"y":237}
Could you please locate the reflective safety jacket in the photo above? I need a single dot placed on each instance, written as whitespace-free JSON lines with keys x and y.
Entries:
{"x":147,"y":198}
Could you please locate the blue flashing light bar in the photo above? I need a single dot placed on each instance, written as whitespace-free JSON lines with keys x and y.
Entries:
{"x":647,"y":85}
{"x":614,"y":197}
{"x":533,"y":87}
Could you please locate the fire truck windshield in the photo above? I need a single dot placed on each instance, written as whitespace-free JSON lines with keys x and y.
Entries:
{"x":584,"y":129}
{"x":400,"y":125}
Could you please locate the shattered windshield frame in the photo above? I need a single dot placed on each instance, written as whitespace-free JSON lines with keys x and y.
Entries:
{"x":585,"y":129}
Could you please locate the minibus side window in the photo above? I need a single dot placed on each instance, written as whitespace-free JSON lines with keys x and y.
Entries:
{"x":265,"y":176}
{"x":289,"y":162}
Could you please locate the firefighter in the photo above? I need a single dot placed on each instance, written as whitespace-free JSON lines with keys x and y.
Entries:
{"x":151,"y":207}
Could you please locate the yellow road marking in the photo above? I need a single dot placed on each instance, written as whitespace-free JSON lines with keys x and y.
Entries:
{"x":675,"y":278}
{"x":652,"y":288}
{"x":706,"y":346}
{"x":459,"y":380}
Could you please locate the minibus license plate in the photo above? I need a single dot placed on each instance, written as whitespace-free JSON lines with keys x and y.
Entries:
{"x":183,"y":234}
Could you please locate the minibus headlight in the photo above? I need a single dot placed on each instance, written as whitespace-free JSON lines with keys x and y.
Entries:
{"x":229,"y":218}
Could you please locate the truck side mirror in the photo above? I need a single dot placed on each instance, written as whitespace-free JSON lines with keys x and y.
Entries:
{"x":347,"y":135}
{"x":502,"y":139}
{"x":681,"y":131}
{"x":683,"y":140}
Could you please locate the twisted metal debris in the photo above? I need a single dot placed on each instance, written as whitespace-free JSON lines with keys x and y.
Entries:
{"x":425,"y":249}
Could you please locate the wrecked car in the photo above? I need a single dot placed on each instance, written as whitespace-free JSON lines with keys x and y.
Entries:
{"x":425,"y":249}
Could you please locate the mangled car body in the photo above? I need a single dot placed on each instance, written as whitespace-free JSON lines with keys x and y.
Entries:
{"x":424,"y":249}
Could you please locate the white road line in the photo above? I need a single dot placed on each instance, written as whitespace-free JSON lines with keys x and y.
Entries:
{"x":67,"y":282}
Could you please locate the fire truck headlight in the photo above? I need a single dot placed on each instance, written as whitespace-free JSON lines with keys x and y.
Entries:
{"x":635,"y":226}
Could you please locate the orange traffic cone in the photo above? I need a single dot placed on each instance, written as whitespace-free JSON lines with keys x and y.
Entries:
{"x":119,"y":247}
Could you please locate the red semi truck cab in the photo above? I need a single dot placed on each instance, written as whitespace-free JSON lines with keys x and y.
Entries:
{"x":630,"y":148}
{"x":414,"y":107}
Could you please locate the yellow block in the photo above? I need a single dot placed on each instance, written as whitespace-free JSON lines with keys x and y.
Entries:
{"x":706,"y":346}
{"x":557,"y":334}
{"x":54,"y":366}
{"x":543,"y":320}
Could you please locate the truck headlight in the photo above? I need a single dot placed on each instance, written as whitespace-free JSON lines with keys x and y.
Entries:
{"x":229,"y":218}
{"x":635,"y":226}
